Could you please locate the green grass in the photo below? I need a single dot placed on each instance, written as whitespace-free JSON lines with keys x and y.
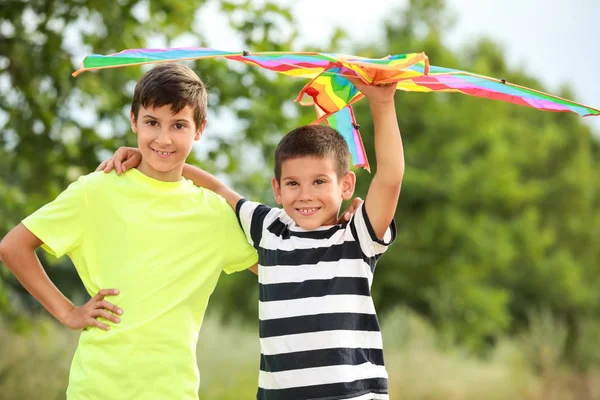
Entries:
{"x":35,"y":365}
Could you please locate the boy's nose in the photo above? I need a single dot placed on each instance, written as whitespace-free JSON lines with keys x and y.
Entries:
{"x":306,"y":194}
{"x":163,"y":138}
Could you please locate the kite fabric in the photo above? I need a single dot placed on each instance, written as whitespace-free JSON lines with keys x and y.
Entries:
{"x":344,"y":122}
{"x":331,"y":92}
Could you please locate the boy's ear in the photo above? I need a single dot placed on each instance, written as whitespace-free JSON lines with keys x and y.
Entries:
{"x":200,"y":130}
{"x":348,"y":185}
{"x":133,"y":122}
{"x":276,"y":190}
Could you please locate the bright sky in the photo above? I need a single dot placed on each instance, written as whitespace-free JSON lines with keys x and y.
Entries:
{"x":556,"y":40}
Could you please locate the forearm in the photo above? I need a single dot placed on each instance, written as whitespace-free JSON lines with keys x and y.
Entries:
{"x":389,"y":150}
{"x":204,"y":179}
{"x":382,"y":197}
{"x":26,"y":267}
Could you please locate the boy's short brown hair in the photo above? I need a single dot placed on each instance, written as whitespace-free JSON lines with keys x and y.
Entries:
{"x":171,"y":84}
{"x":313,"y":141}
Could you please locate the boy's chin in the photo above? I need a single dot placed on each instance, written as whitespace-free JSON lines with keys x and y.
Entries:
{"x":165,"y":165}
{"x":308,"y":226}
{"x":313,"y":224}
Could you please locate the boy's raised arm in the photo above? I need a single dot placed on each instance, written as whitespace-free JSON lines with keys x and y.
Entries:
{"x":204,"y":179}
{"x":382,"y":197}
{"x":17,"y":252}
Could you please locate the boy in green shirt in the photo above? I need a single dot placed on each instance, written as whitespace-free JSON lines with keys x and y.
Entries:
{"x":159,"y":239}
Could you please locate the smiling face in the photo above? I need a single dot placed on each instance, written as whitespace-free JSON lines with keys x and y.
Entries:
{"x":311,"y":192}
{"x":165,"y":140}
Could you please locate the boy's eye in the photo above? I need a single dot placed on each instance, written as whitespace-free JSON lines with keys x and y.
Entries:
{"x":291,"y":183}
{"x":151,"y":123}
{"x":319,"y":181}
{"x":179,"y":126}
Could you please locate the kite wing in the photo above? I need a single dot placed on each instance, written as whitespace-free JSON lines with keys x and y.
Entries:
{"x":331,"y":92}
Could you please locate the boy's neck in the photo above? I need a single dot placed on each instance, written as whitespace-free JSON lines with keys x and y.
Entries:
{"x":173,"y":175}
{"x":330,"y":223}
{"x":319,"y":228}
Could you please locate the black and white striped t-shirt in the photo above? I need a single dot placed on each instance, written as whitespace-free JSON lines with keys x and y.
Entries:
{"x":319,"y":334}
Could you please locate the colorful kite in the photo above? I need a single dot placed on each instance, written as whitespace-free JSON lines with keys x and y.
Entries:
{"x":332,"y":94}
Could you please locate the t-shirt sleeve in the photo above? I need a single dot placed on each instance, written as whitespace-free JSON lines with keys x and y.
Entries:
{"x":60,"y":224}
{"x":251,"y":217}
{"x":240,"y":254}
{"x":369,"y":243}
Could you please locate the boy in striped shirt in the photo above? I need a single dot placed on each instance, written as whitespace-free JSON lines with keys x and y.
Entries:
{"x":319,"y":333}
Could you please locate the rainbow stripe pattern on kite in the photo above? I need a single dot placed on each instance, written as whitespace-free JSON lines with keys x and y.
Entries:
{"x":332,"y":94}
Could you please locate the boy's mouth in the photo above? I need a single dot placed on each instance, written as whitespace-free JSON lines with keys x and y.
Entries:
{"x":163,"y":154}
{"x":308,"y":211}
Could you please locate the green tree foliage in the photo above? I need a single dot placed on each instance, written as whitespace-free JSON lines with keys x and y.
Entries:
{"x":497,"y":215}
{"x":498,"y":210}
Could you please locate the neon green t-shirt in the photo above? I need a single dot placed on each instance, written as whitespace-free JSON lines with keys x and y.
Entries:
{"x":163,"y":245}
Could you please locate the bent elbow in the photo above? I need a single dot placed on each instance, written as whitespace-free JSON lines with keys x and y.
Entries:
{"x":400,"y":172}
{"x":400,"y":176}
{"x":3,"y":250}
{"x":393,"y":175}
{"x":7,"y":249}
{"x":394,"y":179}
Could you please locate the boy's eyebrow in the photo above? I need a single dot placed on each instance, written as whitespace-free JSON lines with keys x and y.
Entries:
{"x":283,"y":178}
{"x":177,"y":120}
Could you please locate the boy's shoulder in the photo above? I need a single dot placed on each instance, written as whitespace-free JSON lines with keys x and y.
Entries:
{"x":134,"y":177}
{"x":263,"y":213}
{"x":101,"y":188}
{"x":100,"y":183}
{"x":209,"y":197}
{"x":99,"y":178}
